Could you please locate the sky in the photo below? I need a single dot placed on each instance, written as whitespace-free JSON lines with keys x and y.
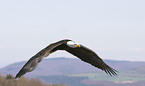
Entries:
{"x":114,"y":29}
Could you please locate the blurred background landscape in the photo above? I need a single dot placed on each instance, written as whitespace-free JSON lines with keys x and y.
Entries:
{"x":74,"y":72}
{"x":113,"y":29}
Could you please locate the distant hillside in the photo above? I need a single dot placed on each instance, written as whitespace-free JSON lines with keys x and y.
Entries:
{"x":67,"y":66}
{"x":75,"y":72}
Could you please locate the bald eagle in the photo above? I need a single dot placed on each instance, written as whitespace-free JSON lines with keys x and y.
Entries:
{"x":70,"y":46}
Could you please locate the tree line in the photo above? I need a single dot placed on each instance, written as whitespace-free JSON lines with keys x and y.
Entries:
{"x":9,"y":80}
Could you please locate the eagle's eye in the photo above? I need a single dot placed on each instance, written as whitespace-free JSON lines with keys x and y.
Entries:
{"x":72,"y":44}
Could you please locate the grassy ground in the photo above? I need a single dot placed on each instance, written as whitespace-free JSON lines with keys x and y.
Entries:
{"x":103,"y":77}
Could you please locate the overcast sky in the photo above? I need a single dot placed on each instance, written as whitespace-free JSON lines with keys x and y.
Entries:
{"x":114,"y":29}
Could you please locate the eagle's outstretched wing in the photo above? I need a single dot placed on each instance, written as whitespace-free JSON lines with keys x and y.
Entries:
{"x":36,"y":59}
{"x":92,"y":58}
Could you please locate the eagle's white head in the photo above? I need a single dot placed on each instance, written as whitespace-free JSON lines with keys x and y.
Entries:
{"x":72,"y":44}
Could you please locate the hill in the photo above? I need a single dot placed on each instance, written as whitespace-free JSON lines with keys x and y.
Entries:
{"x":76,"y":72}
{"x":67,"y":66}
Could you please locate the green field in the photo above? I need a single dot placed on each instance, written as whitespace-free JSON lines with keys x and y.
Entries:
{"x":77,"y":79}
{"x":103,"y":77}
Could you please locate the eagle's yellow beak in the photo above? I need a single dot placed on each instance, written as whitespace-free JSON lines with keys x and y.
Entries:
{"x":78,"y":45}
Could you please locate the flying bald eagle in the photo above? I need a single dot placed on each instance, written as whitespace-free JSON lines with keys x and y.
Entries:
{"x":70,"y":46}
